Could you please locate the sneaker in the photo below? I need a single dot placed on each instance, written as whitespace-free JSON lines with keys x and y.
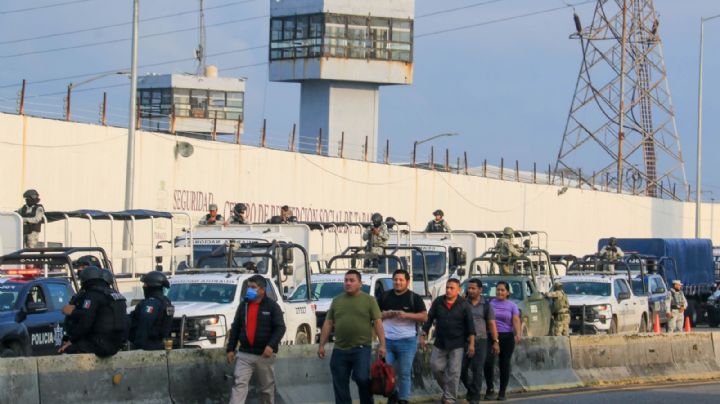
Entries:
{"x":489,"y":395}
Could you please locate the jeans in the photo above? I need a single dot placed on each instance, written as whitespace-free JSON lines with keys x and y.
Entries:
{"x":355,"y":361}
{"x":446,"y":366}
{"x":400,"y":354}
{"x":507,"y":346}
{"x":245,"y":366}
{"x":474,"y":365}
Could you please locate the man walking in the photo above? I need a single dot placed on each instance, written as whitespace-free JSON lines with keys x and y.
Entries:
{"x":402,"y":310}
{"x":259,"y":327}
{"x":678,"y":304}
{"x":454,"y":328}
{"x":484,"y":319}
{"x":354,"y":314}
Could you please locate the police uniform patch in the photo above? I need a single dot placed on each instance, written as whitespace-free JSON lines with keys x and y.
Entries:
{"x":87,"y":303}
{"x":149,"y":310}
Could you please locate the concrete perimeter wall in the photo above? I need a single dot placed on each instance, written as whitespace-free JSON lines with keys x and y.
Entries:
{"x":195,"y":376}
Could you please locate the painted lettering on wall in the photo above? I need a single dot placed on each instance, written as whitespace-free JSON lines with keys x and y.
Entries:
{"x":196,"y":201}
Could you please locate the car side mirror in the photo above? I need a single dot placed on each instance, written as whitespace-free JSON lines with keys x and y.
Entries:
{"x":21,"y":315}
{"x":461,"y":271}
{"x":288,"y":270}
{"x":660,"y":290}
{"x":36,"y":307}
{"x":288,"y":255}
{"x":458,"y":257}
{"x":623,"y":296}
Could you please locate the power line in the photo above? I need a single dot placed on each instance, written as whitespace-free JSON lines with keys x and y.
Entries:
{"x":450,"y":10}
{"x":505,"y":19}
{"x":101,"y":27}
{"x":45,"y":7}
{"x":112,"y":41}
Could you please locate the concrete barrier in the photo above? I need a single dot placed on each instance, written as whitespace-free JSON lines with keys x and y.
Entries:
{"x":19,"y":381}
{"x":199,"y":376}
{"x":603,"y":360}
{"x":542,"y":363}
{"x":136,"y":376}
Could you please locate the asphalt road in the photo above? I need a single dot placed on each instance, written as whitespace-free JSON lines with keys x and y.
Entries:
{"x":695,"y":393}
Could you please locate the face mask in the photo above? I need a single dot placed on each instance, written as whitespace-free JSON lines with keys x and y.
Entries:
{"x":251,"y":294}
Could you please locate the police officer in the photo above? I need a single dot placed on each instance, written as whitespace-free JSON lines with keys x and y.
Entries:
{"x":212,"y":217}
{"x":506,"y":251}
{"x":560,"y":310}
{"x":151,"y":320}
{"x":98,"y":324}
{"x":611,"y":253}
{"x":437,"y":225}
{"x":32,"y":214}
{"x":86,"y":261}
{"x":239,"y":214}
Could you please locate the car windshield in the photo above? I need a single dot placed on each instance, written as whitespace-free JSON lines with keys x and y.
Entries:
{"x":322,"y":290}
{"x":215,"y":256}
{"x":489,"y":288}
{"x":202,"y":292}
{"x":587,"y":288}
{"x":8,"y":295}
{"x":435,"y":262}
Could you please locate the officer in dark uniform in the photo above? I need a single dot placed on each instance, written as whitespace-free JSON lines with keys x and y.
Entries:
{"x":239,"y":214}
{"x":151,"y":320}
{"x":86,"y":261}
{"x":98,"y":323}
{"x":437,"y":225}
{"x":32,"y":214}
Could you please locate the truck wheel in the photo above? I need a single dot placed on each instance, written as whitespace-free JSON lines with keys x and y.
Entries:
{"x":643,"y":324}
{"x":11,"y":350}
{"x":301,"y":338}
{"x":525,"y":329}
{"x":613,"y":326}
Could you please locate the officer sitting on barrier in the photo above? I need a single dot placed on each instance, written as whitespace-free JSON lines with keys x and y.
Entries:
{"x":151,"y":320}
{"x":99,"y":322}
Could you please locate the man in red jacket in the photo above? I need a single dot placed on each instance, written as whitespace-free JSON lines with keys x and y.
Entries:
{"x":259,"y":327}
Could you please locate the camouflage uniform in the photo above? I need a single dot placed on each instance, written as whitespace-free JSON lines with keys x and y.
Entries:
{"x":678,"y":304}
{"x":376,"y":242}
{"x":506,"y":250}
{"x":560,"y":311}
{"x":435,"y":226}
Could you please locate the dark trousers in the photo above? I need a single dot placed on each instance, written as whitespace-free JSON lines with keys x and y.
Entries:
{"x":101,"y":346}
{"x":355,"y":361}
{"x":472,"y":369}
{"x":507,"y":346}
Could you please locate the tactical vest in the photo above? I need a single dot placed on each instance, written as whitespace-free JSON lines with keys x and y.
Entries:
{"x":31,"y":212}
{"x":112,"y":318}
{"x":437,"y":227}
{"x":675,"y":300}
{"x":561,"y":304}
{"x":164,"y":321}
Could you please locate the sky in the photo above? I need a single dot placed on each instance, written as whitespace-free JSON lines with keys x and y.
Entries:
{"x":505,"y":86}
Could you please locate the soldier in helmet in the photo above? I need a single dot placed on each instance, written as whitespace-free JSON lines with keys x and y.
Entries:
{"x":86,"y":261}
{"x":560,"y":310}
{"x":506,"y":251}
{"x":437,"y":225}
{"x":376,"y":235}
{"x":32,"y":214}
{"x":213,"y":217}
{"x":611,"y":253}
{"x":239,"y":214}
{"x":98,"y":324}
{"x":151,"y":320}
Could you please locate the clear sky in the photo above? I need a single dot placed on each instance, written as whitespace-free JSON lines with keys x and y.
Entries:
{"x":504,"y":86}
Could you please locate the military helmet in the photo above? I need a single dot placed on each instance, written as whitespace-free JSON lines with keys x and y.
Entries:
{"x":508,"y":231}
{"x":377,"y":219}
{"x":557,"y":284}
{"x":439,"y":212}
{"x":239,"y":208}
{"x":90,"y":273}
{"x":212,"y":206}
{"x":31,"y":193}
{"x":612,"y":241}
{"x":107,"y":276}
{"x":87,"y":260}
{"x":155,"y":279}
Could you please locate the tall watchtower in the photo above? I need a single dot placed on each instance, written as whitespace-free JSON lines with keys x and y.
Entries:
{"x":341,"y":52}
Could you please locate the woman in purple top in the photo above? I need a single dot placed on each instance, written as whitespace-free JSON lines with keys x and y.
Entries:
{"x":507,"y":317}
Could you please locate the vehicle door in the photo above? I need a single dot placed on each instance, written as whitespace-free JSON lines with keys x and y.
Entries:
{"x":661,"y":300}
{"x":381,"y":286}
{"x":636,"y":306}
{"x":539,"y":314}
{"x":622,"y":304}
{"x":59,"y":294}
{"x":40,"y":321}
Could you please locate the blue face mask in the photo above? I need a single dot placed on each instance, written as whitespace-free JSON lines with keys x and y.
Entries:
{"x":251,"y":294}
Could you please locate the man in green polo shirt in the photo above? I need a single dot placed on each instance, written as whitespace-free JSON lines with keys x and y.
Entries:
{"x":354,"y":314}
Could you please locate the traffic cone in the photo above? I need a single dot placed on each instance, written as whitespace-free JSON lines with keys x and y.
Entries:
{"x":687,"y":328}
{"x":656,"y":324}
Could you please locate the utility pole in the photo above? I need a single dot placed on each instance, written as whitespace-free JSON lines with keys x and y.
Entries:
{"x":130,"y":170}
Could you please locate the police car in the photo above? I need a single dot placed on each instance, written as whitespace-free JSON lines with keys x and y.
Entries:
{"x":31,"y":318}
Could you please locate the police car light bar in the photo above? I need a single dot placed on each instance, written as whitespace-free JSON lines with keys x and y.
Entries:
{"x":27,"y":272}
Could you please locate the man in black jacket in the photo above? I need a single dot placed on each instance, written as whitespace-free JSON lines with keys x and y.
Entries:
{"x":259,"y":327}
{"x":454,"y":330}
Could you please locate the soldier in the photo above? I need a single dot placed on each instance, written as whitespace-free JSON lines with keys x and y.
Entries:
{"x":560,"y":310}
{"x":437,"y":225}
{"x":285,"y":216}
{"x":32,"y":216}
{"x":86,"y":261}
{"x":376,"y":235}
{"x":611,"y":253}
{"x":98,"y":324}
{"x":239,"y":214}
{"x":212,"y":217}
{"x":506,"y":251}
{"x":678,"y":304}
{"x":151,"y":320}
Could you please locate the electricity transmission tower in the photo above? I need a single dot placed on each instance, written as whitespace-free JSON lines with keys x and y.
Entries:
{"x":200,"y":50}
{"x":621,"y":129}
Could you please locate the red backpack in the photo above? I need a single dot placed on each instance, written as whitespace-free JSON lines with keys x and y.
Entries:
{"x":382,"y":378}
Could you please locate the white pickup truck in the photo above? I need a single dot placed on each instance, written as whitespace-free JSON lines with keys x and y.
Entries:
{"x":608,"y":302}
{"x":205,"y":306}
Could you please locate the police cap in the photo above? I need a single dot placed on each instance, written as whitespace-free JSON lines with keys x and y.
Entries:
{"x":212,"y":206}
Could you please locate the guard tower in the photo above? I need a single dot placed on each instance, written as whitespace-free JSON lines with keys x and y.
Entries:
{"x":341,"y":52}
{"x":203,"y":106}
